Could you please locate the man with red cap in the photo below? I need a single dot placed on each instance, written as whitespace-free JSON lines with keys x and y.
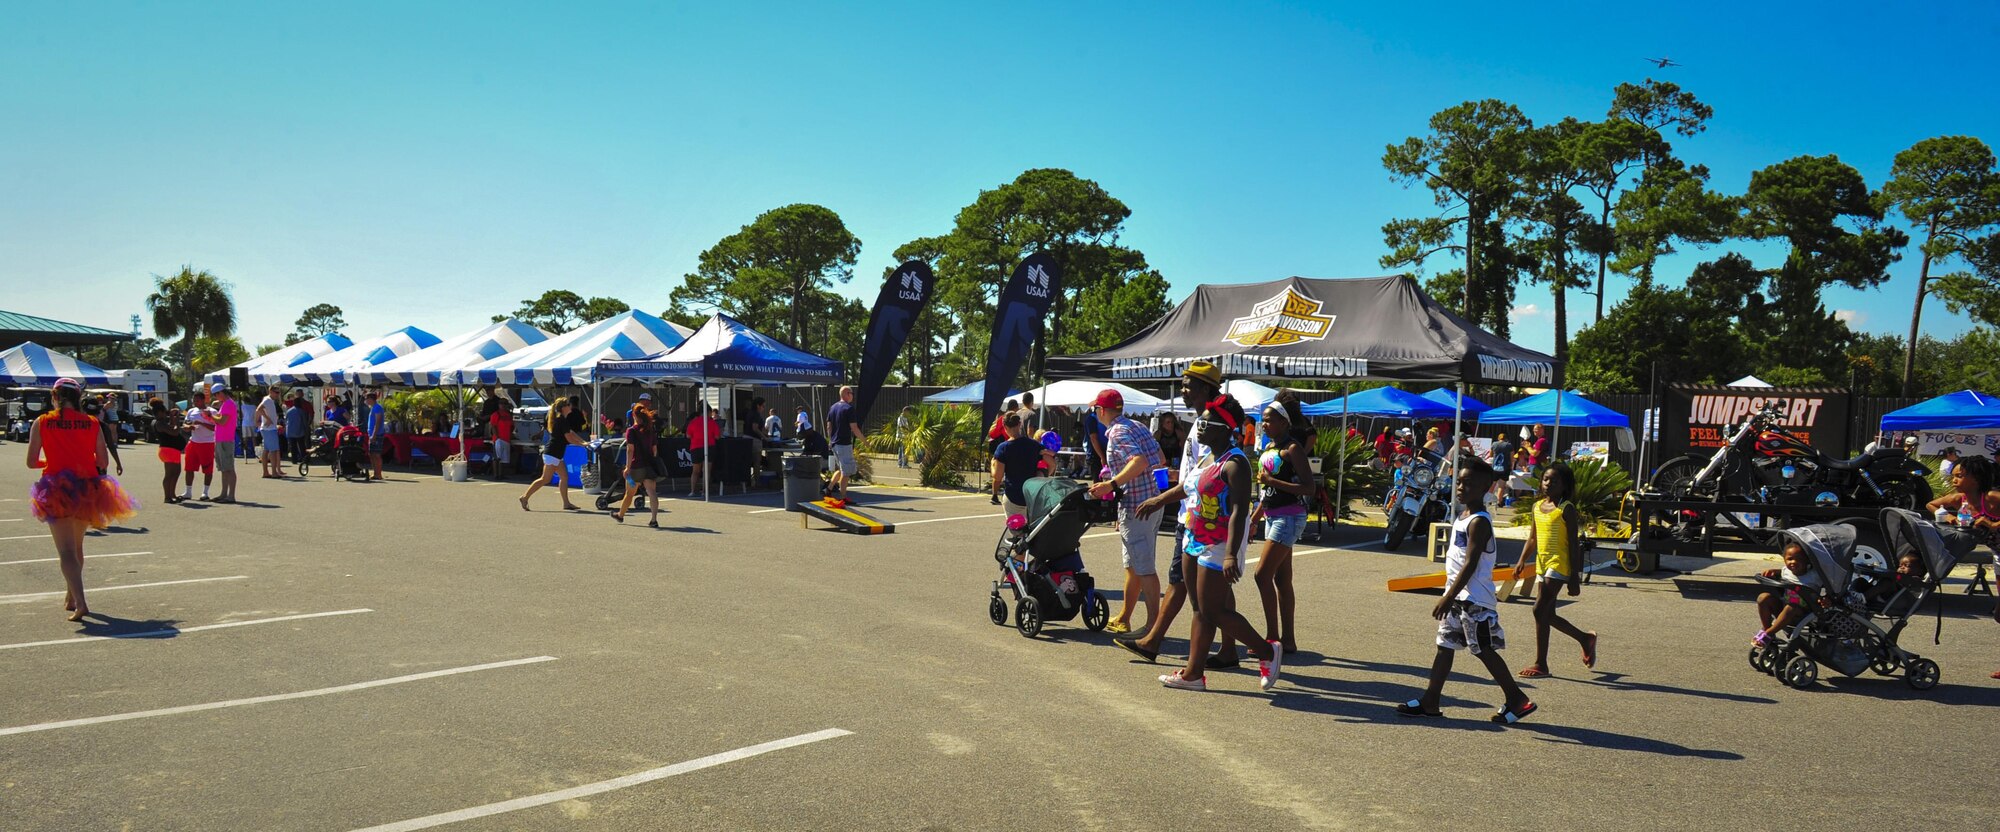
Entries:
{"x":1131,"y":454}
{"x":1201,"y":382}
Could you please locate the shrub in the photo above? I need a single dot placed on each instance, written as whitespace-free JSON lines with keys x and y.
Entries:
{"x":1348,"y":459}
{"x":1600,"y":487}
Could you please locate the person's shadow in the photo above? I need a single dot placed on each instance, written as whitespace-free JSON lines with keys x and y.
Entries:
{"x":1617,"y":681}
{"x":111,"y":626}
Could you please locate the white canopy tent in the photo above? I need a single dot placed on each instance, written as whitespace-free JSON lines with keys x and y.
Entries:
{"x":1079,"y":393}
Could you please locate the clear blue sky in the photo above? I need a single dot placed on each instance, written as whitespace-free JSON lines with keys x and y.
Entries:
{"x":435,"y":163}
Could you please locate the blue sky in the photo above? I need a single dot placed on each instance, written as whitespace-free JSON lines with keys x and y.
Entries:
{"x":435,"y":163}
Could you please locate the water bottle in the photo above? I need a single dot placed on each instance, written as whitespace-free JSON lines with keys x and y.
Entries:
{"x":1965,"y":513}
{"x":1105,"y":476}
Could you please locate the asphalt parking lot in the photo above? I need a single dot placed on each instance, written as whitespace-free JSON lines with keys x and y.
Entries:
{"x":416,"y":654}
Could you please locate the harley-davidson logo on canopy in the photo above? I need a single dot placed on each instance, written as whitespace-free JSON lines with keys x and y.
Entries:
{"x":1285,"y":318}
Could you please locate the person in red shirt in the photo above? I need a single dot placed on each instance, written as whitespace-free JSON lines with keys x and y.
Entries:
{"x":702,"y":430}
{"x":994,"y":436}
{"x":73,"y":495}
{"x":501,"y":429}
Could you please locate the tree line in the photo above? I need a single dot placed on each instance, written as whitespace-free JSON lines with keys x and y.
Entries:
{"x":1567,"y":204}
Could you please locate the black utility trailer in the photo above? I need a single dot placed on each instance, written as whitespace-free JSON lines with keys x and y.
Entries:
{"x":1693,"y":527}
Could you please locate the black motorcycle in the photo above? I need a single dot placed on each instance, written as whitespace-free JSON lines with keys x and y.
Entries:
{"x":1764,"y":463}
{"x":1418,"y":499}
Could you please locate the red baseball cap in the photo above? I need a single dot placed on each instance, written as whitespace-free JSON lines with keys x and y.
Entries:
{"x":1109,"y":398}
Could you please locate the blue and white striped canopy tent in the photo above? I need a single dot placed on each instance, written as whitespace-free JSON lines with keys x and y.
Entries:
{"x":571,"y":358}
{"x":282,"y":357}
{"x":427,"y":368}
{"x":339,"y":367}
{"x":29,"y":364}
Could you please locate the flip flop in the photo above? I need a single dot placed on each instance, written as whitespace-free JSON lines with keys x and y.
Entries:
{"x":1133,"y":647}
{"x":1214,"y":663}
{"x":1415,"y":709}
{"x":1533,"y":672}
{"x":1590,"y":654}
{"x":1511,"y":716}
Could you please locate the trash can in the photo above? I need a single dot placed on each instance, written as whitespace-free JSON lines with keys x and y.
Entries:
{"x":801,"y":480}
{"x":574,"y":458}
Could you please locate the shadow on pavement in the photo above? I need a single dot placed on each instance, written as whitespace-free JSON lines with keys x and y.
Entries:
{"x":111,"y":626}
{"x":1616,"y":681}
{"x":1593,"y":738}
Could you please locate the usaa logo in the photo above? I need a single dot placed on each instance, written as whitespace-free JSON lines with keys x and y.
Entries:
{"x":913,"y":287}
{"x":1284,"y":318}
{"x":1038,"y":282}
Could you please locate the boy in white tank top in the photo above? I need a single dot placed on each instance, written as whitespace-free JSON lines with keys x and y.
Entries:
{"x":1468,"y":615}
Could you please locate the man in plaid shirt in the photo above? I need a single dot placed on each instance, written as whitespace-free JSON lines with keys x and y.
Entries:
{"x":1131,"y":455}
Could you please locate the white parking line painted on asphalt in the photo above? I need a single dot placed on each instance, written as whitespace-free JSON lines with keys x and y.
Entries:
{"x":86,"y":558}
{"x":279,"y":697}
{"x":765,"y":510}
{"x":1098,"y":535}
{"x":26,"y":537}
{"x":177,"y":631}
{"x":603,"y":786}
{"x":901,"y":524}
{"x":28,"y":597}
{"x":12,"y":520}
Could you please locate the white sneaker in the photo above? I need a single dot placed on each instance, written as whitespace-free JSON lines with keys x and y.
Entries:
{"x":204,"y":496}
{"x":1267,"y":671}
{"x":1174,"y":680}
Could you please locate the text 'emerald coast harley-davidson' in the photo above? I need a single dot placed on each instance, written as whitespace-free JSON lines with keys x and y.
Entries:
{"x":1764,"y":463}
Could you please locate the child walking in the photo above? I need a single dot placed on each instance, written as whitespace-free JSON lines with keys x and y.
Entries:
{"x":1468,"y":614}
{"x":1553,"y":537}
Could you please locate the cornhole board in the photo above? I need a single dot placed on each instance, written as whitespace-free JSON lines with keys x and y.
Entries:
{"x":1435,"y":580}
{"x":842,"y":518}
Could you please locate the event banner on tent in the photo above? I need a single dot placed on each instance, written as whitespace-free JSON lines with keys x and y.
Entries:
{"x":896,"y":309}
{"x":1018,"y":322}
{"x":1698,"y":419}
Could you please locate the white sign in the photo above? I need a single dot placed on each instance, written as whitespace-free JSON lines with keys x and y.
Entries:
{"x":1580,"y":451}
{"x":1933,"y":443}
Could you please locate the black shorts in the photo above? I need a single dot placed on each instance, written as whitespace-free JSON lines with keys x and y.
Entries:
{"x":697,"y":455}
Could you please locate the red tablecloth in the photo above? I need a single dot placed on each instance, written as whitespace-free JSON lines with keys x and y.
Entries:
{"x":437,"y":447}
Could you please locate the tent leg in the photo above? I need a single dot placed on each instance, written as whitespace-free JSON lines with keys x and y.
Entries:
{"x":708,"y":465}
{"x":1457,"y":440}
{"x":1340,"y":464}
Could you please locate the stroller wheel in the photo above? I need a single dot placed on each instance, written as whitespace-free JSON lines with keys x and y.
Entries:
{"x":1028,"y":617}
{"x":1923,"y":674}
{"x":604,"y":501}
{"x":996,"y":609}
{"x":1096,"y":612}
{"x":1885,"y":666}
{"x":1760,"y":658}
{"x":1801,"y":672}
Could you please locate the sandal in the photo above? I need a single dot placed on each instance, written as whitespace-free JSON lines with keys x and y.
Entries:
{"x":1217,"y":662}
{"x":1116,"y":627}
{"x":653,"y":524}
{"x":618,"y":517}
{"x":1415,"y":708}
{"x":1533,"y":671}
{"x":1590,"y":653}
{"x":1509,"y":716}
{"x":1151,"y":656}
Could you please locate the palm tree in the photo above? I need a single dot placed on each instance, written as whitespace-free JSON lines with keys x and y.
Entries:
{"x":190,"y":306}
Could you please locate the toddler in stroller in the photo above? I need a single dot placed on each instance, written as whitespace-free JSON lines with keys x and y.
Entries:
{"x":1040,"y":559}
{"x":1838,"y":616}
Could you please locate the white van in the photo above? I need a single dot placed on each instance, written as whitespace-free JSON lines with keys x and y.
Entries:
{"x":142,"y":383}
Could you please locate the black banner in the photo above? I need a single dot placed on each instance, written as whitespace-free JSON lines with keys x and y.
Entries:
{"x":896,"y":308}
{"x":1017,"y":322}
{"x":1697,"y":419}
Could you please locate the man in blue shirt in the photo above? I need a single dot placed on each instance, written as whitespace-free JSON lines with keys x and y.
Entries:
{"x":843,"y":431}
{"x":378,"y":435}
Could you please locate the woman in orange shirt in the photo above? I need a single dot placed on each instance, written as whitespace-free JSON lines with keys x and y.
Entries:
{"x":73,"y":494}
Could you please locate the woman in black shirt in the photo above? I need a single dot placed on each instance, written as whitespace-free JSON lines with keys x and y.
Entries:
{"x":171,"y":434}
{"x":642,"y":458}
{"x":564,"y":422}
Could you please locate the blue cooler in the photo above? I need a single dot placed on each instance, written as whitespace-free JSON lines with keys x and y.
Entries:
{"x":574,"y":458}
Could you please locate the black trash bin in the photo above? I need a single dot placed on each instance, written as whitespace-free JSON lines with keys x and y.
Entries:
{"x":801,"y":480}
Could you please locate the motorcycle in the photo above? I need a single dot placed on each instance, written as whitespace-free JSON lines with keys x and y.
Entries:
{"x":1419,"y":498}
{"x":1764,"y":463}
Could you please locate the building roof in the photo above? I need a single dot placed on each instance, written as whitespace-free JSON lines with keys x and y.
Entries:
{"x":16,"y":328}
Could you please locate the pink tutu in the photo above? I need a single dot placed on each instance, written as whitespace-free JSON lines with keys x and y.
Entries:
{"x":98,"y":501}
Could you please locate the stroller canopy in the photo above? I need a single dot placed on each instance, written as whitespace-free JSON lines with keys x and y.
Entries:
{"x":1939,"y":551}
{"x":1831,"y":547}
{"x":1063,"y":532}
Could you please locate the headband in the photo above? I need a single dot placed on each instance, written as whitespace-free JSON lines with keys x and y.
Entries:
{"x":1215,"y":406}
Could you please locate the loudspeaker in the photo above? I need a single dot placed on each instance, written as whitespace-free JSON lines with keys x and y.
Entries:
{"x":239,"y":378}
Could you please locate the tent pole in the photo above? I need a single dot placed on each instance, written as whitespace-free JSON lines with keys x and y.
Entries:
{"x":708,"y":454}
{"x":1457,"y":411}
{"x":1340,"y":465}
{"x":1556,"y":433}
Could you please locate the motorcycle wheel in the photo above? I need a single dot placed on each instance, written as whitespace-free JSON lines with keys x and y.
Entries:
{"x":1905,"y":492}
{"x":1675,"y":478}
{"x":1399,"y":529}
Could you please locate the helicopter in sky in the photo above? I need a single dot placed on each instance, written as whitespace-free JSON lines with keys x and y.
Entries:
{"x":1663,"y":63}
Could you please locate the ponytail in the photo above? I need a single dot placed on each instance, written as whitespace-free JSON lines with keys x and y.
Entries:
{"x":555,"y":413}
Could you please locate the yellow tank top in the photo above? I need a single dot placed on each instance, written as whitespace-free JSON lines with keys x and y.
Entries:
{"x":1552,"y":539}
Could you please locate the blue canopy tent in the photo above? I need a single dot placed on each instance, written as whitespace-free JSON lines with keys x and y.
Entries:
{"x":968,"y":393}
{"x":1963,"y":410}
{"x":1558,"y":408}
{"x":726,"y":350}
{"x":1382,"y":401}
{"x":1445,"y":396}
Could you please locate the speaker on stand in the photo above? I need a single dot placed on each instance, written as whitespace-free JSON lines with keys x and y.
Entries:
{"x":239,"y":379}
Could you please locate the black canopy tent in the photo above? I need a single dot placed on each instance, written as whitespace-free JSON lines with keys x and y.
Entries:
{"x":1369,"y":328}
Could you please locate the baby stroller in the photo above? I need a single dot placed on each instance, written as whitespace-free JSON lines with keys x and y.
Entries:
{"x":614,"y":478}
{"x":350,"y":454}
{"x":1041,"y":564}
{"x":1844,"y":629}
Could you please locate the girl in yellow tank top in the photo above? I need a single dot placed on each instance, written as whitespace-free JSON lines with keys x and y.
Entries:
{"x":1552,"y":538}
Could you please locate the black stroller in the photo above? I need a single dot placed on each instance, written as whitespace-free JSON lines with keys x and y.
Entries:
{"x":1844,"y":631}
{"x":1041,"y":564}
{"x":347,"y":452}
{"x":612,"y":477}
